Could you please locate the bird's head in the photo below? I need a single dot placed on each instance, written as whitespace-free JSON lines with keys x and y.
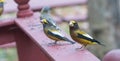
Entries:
{"x":45,"y":9}
{"x":2,"y":1}
{"x":44,"y":21}
{"x":73,"y":24}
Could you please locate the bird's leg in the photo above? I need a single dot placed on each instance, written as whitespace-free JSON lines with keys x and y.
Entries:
{"x":81,"y":47}
{"x":55,"y":42}
{"x":85,"y":45}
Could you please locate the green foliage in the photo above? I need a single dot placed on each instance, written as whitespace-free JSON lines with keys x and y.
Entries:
{"x":8,"y":54}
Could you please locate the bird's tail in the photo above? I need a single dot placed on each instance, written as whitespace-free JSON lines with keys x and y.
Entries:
{"x":99,"y":43}
{"x":66,"y":39}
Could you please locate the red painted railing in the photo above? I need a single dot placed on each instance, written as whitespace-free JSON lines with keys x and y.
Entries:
{"x":32,"y":44}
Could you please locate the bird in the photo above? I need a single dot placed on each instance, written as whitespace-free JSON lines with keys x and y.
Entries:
{"x":80,"y":36}
{"x":1,"y":6}
{"x":53,"y":33}
{"x":45,"y":14}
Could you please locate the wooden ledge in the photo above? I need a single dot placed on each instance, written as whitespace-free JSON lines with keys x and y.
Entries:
{"x":9,"y":45}
{"x":6,"y":22}
{"x":65,"y":52}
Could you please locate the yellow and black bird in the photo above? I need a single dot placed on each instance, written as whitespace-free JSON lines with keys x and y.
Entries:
{"x":53,"y":33}
{"x":81,"y":36}
{"x":45,"y":14}
{"x":1,"y":6}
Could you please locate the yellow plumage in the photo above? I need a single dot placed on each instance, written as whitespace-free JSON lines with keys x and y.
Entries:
{"x":1,"y":10}
{"x":2,"y":0}
{"x":1,"y":6}
{"x":53,"y":33}
{"x":84,"y":41}
{"x":50,"y":36}
{"x":81,"y":36}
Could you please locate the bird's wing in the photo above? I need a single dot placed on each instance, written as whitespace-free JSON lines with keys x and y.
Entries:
{"x":85,"y":36}
{"x":56,"y":34}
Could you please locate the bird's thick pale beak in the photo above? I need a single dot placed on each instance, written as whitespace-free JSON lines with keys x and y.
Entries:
{"x":70,"y":23}
{"x":41,"y":21}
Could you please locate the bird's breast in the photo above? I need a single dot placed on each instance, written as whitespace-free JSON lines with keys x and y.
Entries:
{"x":50,"y":36}
{"x":1,"y":10}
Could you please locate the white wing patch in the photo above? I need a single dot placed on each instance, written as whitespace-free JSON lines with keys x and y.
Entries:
{"x":86,"y":35}
{"x":58,"y":33}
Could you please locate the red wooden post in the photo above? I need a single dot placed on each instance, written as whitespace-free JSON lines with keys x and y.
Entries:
{"x":23,"y":8}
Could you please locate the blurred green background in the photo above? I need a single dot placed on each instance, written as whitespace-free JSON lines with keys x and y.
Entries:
{"x":8,"y":54}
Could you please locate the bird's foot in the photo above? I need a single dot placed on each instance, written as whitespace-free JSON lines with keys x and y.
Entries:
{"x":54,"y":43}
{"x":80,"y":49}
{"x":73,"y":42}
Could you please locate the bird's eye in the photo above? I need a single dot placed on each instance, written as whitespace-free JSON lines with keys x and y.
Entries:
{"x":73,"y":22}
